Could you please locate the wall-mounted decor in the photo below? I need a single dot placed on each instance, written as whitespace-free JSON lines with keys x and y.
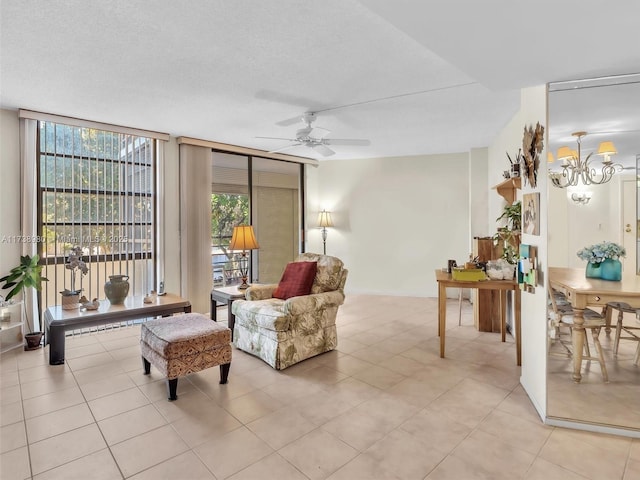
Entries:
{"x":531,"y":213}
{"x":532,"y":145}
{"x":527,"y":268}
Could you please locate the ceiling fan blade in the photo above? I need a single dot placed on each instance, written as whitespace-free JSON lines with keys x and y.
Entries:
{"x":306,"y":131}
{"x":279,"y":138}
{"x":323,"y":150}
{"x":348,"y":141}
{"x":319,"y":132}
{"x":285,"y":148}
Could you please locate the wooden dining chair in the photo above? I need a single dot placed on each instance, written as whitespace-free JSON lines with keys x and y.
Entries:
{"x":563,"y":316}
{"x":627,"y":329}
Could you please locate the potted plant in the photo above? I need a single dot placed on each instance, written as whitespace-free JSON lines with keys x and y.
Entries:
{"x":508,"y":236}
{"x":28,"y":274}
{"x":75,"y":264}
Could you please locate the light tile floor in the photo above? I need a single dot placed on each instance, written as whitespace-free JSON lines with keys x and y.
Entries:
{"x":382,"y":406}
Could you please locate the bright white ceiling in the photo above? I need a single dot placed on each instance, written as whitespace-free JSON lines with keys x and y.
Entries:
{"x":227,"y":71}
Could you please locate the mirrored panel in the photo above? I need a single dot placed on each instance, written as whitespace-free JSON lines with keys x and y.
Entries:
{"x":594,"y":142}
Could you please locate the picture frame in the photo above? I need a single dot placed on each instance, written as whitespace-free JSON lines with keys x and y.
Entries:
{"x":531,"y":213}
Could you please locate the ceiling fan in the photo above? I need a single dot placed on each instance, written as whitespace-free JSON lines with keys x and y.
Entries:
{"x":314,"y":137}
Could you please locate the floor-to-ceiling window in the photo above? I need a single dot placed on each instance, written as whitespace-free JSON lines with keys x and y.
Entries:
{"x":96,"y":194}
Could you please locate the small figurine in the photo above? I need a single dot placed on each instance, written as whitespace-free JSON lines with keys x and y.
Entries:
{"x":150,"y":298}
{"x":89,"y":305}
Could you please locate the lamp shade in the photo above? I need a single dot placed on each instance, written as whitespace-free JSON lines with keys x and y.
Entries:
{"x":324,"y":219}
{"x":550,"y":158}
{"x":565,"y":153}
{"x":607,"y":148}
{"x":243,"y":238}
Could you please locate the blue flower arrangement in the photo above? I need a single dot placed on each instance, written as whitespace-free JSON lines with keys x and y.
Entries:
{"x":601,"y":251}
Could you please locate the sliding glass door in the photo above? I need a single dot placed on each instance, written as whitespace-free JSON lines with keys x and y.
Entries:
{"x":275,"y":212}
{"x":261,"y":192}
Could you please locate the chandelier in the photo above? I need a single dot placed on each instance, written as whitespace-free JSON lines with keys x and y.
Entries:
{"x":575,"y":169}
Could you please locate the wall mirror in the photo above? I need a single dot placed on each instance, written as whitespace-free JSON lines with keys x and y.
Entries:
{"x":608,"y":110}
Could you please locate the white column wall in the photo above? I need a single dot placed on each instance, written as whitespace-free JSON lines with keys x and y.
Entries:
{"x":533,"y":109}
{"x":195,"y":226}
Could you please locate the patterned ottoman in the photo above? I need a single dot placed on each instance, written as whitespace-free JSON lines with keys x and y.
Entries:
{"x":185,"y":344}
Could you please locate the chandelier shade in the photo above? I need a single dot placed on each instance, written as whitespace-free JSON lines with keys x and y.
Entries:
{"x":564,"y":153}
{"x":575,"y":169}
{"x":606,"y":149}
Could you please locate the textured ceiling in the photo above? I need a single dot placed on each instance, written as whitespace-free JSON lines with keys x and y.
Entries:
{"x":413,"y":77}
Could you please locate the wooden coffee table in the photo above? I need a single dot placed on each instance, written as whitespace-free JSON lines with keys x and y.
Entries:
{"x":225,"y":295}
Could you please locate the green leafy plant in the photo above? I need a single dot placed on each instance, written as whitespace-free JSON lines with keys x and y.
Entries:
{"x":508,"y":236}
{"x":28,"y":274}
{"x":513,"y":215}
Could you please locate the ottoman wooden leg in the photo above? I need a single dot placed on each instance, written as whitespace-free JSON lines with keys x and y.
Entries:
{"x":224,"y":372}
{"x":172,"y":385}
{"x":147,"y":366}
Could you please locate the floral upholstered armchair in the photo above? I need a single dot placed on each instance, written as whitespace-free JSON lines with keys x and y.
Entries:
{"x":283,"y":332}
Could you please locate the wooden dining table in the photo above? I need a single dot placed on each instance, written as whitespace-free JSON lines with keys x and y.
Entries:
{"x":585,"y":292}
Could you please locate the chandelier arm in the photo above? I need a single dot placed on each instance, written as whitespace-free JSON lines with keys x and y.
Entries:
{"x":608,"y":171}
{"x":571,"y":174}
{"x":556,"y":178}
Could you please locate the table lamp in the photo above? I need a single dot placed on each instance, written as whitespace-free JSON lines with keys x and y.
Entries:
{"x":244,"y":239}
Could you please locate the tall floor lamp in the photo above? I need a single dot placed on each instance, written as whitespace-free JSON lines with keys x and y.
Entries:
{"x":244,"y":239}
{"x":324,"y":221}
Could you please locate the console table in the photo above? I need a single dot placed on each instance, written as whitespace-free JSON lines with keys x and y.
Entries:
{"x":58,"y":321}
{"x":445,"y":280}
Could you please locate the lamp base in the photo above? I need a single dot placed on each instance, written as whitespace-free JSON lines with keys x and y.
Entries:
{"x":244,"y":285}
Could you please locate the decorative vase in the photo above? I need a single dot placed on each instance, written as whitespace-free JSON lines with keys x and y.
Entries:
{"x":593,"y":270}
{"x":608,"y":269}
{"x":70,"y":301}
{"x":611,"y":270}
{"x":117,"y":288}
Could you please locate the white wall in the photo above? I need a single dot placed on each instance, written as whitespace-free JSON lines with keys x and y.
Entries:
{"x":9,"y":192}
{"x":573,"y":226}
{"x":558,"y":231}
{"x":533,"y":109}
{"x":479,"y":194}
{"x":396,"y":219}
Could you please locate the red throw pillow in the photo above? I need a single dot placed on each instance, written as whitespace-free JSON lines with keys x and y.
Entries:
{"x":296,"y":280}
